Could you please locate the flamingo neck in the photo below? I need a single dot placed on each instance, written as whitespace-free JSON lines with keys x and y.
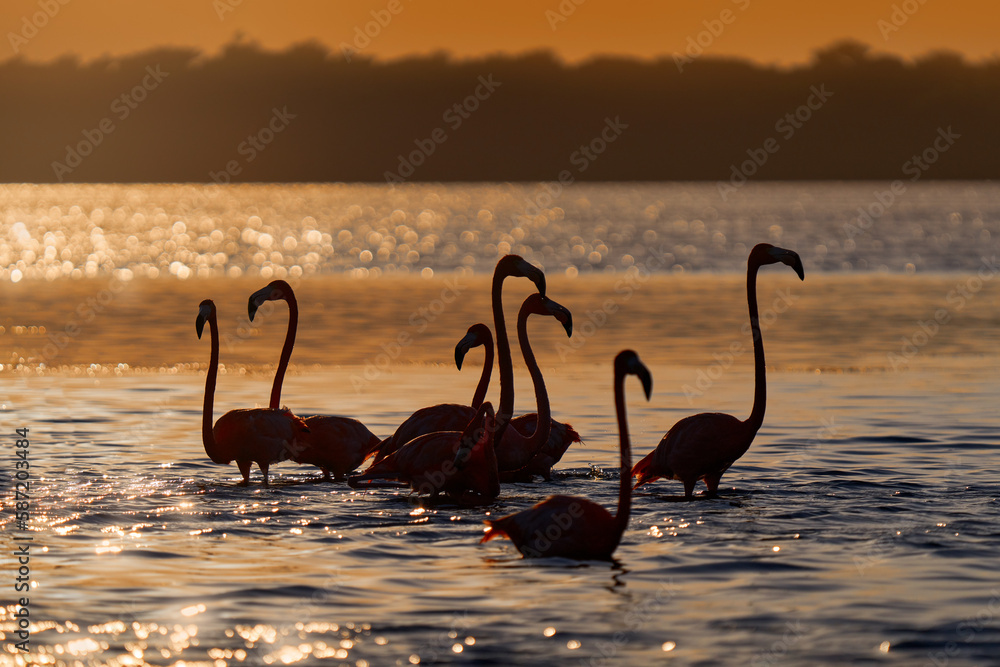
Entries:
{"x":544,"y":424}
{"x":756,"y":418}
{"x":286,"y":350}
{"x":484,"y":379}
{"x":506,"y":408}
{"x":625,"y":465}
{"x":207,"y":436}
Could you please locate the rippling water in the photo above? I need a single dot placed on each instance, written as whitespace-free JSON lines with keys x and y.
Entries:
{"x":861,"y":527}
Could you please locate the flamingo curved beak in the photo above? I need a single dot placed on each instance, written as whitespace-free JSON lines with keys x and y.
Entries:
{"x":462,"y":348}
{"x":204,"y":311}
{"x":256,"y":300}
{"x":791,"y":258}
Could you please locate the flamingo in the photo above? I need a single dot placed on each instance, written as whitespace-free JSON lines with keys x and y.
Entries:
{"x":446,"y":416}
{"x":261,"y":435}
{"x":460,"y":464}
{"x":570,"y":527}
{"x":420,"y":462}
{"x":703,"y":446}
{"x":452,"y":417}
{"x":561,"y":435}
{"x":334,"y":444}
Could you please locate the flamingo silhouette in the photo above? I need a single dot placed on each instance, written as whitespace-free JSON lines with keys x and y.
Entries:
{"x":261,"y":435}
{"x":459,"y":464}
{"x":421,"y":461}
{"x":451,"y":416}
{"x":561,"y":435}
{"x":703,"y":446}
{"x":335,"y":444}
{"x":570,"y":527}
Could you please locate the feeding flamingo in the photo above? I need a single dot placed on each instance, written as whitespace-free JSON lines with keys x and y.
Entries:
{"x":703,"y":446}
{"x":569,"y":527}
{"x":450,"y":416}
{"x":261,"y":435}
{"x":419,"y":462}
{"x":459,"y":464}
{"x":334,"y":444}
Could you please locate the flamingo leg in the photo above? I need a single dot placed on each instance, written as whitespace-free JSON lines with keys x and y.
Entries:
{"x":712,"y":482}
{"x":244,"y":467}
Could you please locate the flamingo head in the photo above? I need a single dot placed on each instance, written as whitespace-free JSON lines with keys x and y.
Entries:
{"x":206,"y":311}
{"x":517,"y":266}
{"x":276,"y":290}
{"x":627,"y":363}
{"x":542,"y":305}
{"x":478,"y":334}
{"x":765,"y":253}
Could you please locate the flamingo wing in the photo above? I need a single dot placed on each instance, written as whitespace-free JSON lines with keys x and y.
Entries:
{"x":559,"y":526}
{"x":561,"y":436}
{"x":260,"y":434}
{"x":695,"y":446}
{"x":336,"y":444}
{"x":432,"y":419}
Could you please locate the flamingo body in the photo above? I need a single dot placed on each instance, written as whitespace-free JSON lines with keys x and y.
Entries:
{"x":703,"y":446}
{"x":261,"y":435}
{"x":569,"y":527}
{"x":559,"y":527}
{"x":561,"y":436}
{"x":459,"y":464}
{"x":699,"y":447}
{"x":336,"y":445}
{"x":434,"y":418}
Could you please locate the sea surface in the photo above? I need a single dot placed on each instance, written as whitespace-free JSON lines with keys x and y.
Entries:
{"x":862,"y":527}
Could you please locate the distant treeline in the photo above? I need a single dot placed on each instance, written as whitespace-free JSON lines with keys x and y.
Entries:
{"x":309,"y":114}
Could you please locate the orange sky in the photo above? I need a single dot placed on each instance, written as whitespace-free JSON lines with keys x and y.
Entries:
{"x":782,"y":31}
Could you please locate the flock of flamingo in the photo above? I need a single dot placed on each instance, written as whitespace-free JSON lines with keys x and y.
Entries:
{"x":466,"y":451}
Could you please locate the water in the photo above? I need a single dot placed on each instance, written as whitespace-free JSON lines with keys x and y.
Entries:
{"x":860,"y":528}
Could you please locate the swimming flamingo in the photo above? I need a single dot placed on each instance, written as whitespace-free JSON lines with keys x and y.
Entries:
{"x":422,"y":457}
{"x":569,"y":527}
{"x":448,"y":418}
{"x":460,"y":464}
{"x":703,"y":446}
{"x":262,"y":435}
{"x":334,"y":444}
